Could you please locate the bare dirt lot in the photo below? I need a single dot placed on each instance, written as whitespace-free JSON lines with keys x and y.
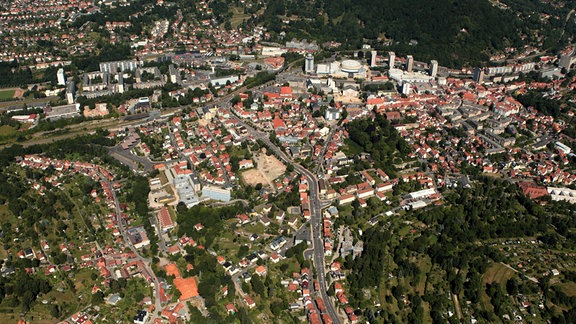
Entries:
{"x":268,"y":169}
{"x":18,"y":93}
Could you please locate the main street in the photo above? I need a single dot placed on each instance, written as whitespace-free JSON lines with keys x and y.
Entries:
{"x":145,"y":262}
{"x":315,"y":220}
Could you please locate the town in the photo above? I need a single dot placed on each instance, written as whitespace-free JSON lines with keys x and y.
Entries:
{"x":223,"y":175}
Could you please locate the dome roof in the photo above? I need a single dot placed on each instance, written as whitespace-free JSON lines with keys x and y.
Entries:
{"x":350,"y":66}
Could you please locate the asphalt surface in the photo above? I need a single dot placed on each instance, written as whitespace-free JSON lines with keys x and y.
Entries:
{"x":315,"y":220}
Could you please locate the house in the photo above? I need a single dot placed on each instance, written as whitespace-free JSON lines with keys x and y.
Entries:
{"x":231,"y":309}
{"x":338,"y":287}
{"x":275,"y":257}
{"x":265,"y":220}
{"x":346,"y":199}
{"x":342,"y":298}
{"x":245,"y":164}
{"x":243,"y":218}
{"x":335,"y":266}
{"x":113,"y":299}
{"x":141,"y":317}
{"x":249,"y":302}
{"x":261,"y":271}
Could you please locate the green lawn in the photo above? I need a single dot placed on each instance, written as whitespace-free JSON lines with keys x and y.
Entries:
{"x":569,"y":288}
{"x":497,"y":273}
{"x":351,"y":148}
{"x":237,"y":16}
{"x":7,"y":130}
{"x":6,"y":94}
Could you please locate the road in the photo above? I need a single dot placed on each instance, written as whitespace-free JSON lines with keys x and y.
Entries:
{"x":146,"y":262}
{"x":132,"y":161}
{"x":315,"y":220}
{"x":320,"y":158}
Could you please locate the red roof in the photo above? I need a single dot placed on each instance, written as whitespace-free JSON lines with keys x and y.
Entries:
{"x":187,"y":288}
{"x":165,"y":219}
{"x":278,"y":123}
{"x":285,"y":91}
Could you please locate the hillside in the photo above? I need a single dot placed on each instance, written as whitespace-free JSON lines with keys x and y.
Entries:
{"x":453,"y":32}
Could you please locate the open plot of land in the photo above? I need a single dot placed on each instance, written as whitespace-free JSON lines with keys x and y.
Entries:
{"x":7,"y":130}
{"x":268,"y":169}
{"x":569,"y":288}
{"x":270,"y":166}
{"x":7,"y":94}
{"x":253,"y":177}
{"x":237,"y":16}
{"x":498,"y":273}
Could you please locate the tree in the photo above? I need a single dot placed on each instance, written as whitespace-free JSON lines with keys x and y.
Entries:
{"x":55,"y":311}
{"x":97,"y":298}
{"x":242,"y":251}
{"x":258,"y":285}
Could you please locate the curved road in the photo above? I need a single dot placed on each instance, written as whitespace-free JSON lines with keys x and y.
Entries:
{"x":315,"y":220}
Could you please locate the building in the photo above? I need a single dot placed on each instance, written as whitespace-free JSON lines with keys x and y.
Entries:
{"x":216,"y":193}
{"x":61,"y":77}
{"x":391,"y":59}
{"x":70,"y":92}
{"x":409,"y":63}
{"x":565,"y":61}
{"x":478,"y":76}
{"x":332,"y":114}
{"x":165,"y":220}
{"x":564,"y":194}
{"x":433,"y":68}
{"x":174,"y":75}
{"x":406,"y":88}
{"x":561,"y":147}
{"x":421,"y":194}
{"x":141,"y":317}
{"x":278,"y":243}
{"x":373,"y":58}
{"x":66,"y":111}
{"x":115,"y":66}
{"x":138,"y":237}
{"x":185,"y":187}
{"x":222,"y":81}
{"x":309,"y":64}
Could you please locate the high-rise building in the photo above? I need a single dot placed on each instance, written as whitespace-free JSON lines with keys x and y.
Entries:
{"x":61,"y":77}
{"x":433,"y":68}
{"x":391,"y":59}
{"x":70,"y":92}
{"x":409,"y":63}
{"x":478,"y":76}
{"x":406,"y":88}
{"x":373,"y":59}
{"x":565,"y":61}
{"x":309,"y":64}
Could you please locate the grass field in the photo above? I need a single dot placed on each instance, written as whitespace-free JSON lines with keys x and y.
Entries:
{"x":497,"y":273}
{"x":237,"y":16}
{"x":7,"y":130}
{"x":569,"y":288}
{"x":7,"y":94}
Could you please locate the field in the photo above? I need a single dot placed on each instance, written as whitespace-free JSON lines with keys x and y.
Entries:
{"x":498,"y":273}
{"x":569,"y":288}
{"x":268,"y":169}
{"x":237,"y":16}
{"x":7,"y":94}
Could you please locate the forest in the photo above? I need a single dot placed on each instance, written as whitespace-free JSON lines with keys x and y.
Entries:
{"x":14,"y":75}
{"x":380,"y":139}
{"x":454,"y":238}
{"x":455,"y":33}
